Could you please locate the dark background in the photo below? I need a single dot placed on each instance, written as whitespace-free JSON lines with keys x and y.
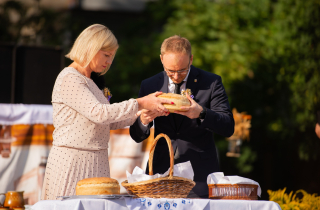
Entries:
{"x":29,"y":73}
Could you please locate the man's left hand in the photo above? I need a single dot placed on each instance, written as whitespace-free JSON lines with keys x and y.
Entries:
{"x":193,"y":111}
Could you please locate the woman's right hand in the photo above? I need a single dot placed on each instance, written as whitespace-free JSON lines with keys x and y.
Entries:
{"x":154,"y":104}
{"x":148,"y":116}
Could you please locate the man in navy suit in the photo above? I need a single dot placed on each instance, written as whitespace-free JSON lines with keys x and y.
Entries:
{"x":191,"y":132}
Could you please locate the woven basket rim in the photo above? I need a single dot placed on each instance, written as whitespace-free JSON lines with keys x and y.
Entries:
{"x":177,"y":187}
{"x":253,"y":194}
{"x":125,"y":182}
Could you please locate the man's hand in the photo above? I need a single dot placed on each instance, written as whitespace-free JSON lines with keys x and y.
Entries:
{"x":317,"y":130}
{"x":193,"y":111}
{"x":148,"y":116}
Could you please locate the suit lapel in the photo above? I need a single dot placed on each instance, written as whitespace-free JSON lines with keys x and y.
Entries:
{"x":164,"y":80}
{"x":192,"y":83}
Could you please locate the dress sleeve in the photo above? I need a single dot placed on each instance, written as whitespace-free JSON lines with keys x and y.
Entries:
{"x":75,"y":93}
{"x":138,"y":131}
{"x":122,"y":124}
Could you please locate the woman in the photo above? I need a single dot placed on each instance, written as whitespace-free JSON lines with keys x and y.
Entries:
{"x":83,"y":116}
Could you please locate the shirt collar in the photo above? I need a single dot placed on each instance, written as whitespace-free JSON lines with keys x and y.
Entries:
{"x":185,"y":79}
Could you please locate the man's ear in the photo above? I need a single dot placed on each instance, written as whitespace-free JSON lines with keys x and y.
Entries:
{"x":161,"y":58}
{"x":191,"y":59}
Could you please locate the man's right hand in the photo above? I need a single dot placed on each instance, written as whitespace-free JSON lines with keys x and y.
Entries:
{"x":148,"y":116}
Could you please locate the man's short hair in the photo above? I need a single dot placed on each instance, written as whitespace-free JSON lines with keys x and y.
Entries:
{"x":176,"y":44}
{"x":94,"y":38}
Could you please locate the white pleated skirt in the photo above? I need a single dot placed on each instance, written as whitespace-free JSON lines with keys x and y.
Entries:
{"x":66,"y":166}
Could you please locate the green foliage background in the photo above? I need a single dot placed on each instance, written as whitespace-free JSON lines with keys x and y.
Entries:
{"x":266,"y":51}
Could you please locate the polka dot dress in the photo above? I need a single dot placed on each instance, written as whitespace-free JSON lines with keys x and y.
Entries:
{"x":83,"y":118}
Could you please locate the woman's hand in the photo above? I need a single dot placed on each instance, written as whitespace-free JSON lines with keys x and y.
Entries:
{"x":148,"y":116}
{"x":154,"y":104}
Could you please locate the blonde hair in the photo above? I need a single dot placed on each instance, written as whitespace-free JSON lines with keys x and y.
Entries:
{"x":94,"y":38}
{"x":176,"y":44}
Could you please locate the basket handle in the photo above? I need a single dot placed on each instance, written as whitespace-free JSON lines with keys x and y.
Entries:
{"x":170,"y":152}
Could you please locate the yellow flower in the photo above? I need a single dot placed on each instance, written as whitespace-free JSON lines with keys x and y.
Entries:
{"x":107,"y":93}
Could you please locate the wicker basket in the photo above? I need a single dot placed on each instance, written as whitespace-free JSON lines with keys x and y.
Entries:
{"x":167,"y":187}
{"x":233,"y":191}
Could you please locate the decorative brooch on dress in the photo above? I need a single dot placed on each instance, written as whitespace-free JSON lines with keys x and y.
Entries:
{"x":107,"y":93}
{"x":183,"y":92}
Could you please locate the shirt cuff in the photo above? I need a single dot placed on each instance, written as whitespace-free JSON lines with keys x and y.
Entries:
{"x":142,"y":126}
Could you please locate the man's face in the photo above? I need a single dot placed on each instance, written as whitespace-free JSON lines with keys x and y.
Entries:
{"x":174,"y":62}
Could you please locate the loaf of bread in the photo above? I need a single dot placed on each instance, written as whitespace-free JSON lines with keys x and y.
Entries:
{"x":177,"y":99}
{"x":98,"y":186}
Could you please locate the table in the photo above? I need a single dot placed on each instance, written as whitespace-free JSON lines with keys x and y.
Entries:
{"x":154,"y":204}
{"x":25,"y":142}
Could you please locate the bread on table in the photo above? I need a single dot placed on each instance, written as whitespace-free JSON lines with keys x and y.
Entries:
{"x":98,"y":186}
{"x":178,"y":100}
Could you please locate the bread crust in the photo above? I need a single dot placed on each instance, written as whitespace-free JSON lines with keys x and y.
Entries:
{"x":97,"y":180}
{"x":177,"y":99}
{"x":98,"y":186}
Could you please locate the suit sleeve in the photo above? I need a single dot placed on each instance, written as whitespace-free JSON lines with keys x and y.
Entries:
{"x":219,"y":118}
{"x":138,"y":131}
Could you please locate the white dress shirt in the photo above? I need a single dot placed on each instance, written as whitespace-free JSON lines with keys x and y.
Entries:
{"x":171,"y":87}
{"x":182,"y":87}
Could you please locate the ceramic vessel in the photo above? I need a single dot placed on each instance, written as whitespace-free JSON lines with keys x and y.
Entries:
{"x":2,"y":198}
{"x":14,"y":199}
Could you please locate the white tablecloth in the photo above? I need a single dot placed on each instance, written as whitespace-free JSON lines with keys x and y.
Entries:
{"x":154,"y":204}
{"x":11,"y":114}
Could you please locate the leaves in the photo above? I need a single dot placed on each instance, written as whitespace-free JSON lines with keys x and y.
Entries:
{"x":293,"y":202}
{"x":270,"y":49}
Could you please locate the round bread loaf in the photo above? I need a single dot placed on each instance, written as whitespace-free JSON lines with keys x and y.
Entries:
{"x":98,"y":186}
{"x":178,"y":100}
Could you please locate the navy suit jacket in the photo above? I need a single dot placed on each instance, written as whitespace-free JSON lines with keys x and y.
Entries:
{"x":193,"y":138}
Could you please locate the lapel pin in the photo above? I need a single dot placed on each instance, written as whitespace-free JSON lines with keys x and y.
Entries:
{"x":195,"y":80}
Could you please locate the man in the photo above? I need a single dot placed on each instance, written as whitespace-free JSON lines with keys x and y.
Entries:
{"x":191,"y":132}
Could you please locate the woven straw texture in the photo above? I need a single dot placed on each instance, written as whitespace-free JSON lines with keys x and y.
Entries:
{"x":167,"y":187}
{"x":233,"y":191}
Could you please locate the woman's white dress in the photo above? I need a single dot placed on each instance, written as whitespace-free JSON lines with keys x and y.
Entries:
{"x":83,"y":118}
